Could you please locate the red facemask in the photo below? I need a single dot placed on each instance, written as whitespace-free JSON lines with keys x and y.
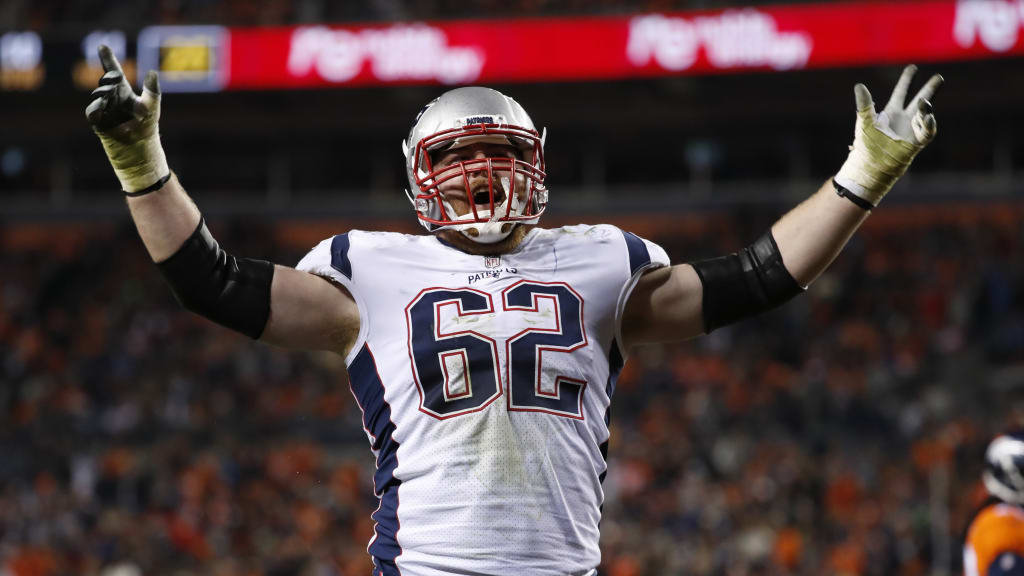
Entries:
{"x":498,"y":189}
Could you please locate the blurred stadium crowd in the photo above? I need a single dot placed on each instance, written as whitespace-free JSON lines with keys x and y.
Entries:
{"x":842,"y":434}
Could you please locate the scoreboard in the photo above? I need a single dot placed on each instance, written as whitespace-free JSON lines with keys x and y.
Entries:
{"x":763,"y":38}
{"x":189,"y":58}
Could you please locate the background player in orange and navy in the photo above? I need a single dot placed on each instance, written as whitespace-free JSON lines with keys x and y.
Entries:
{"x":995,"y":538}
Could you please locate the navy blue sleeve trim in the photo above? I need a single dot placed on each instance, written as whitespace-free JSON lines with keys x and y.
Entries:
{"x":639,"y":257}
{"x":339,"y":255}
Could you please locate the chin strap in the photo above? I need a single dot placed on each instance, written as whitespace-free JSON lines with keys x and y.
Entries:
{"x":487,"y":233}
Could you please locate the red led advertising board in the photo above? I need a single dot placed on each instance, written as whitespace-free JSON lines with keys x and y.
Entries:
{"x":528,"y":50}
{"x":769,"y":38}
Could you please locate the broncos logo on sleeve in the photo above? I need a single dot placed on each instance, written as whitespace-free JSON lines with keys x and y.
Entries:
{"x":995,"y":542}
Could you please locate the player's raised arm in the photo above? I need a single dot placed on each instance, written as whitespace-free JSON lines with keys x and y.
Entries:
{"x":686,"y":300}
{"x":273,"y":303}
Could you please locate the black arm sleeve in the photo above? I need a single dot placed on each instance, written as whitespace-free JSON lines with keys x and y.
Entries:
{"x":233,"y":292}
{"x":744,"y":283}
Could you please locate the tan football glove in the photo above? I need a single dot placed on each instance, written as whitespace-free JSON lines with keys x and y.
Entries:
{"x":127,"y":125}
{"x":885,"y":144}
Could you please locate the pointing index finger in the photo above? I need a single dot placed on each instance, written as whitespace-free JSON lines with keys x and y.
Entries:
{"x":109,"y":61}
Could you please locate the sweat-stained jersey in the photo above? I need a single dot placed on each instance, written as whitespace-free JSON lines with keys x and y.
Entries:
{"x":995,"y":542}
{"x":485,"y":384}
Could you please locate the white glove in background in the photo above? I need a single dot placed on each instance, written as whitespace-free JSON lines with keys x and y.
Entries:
{"x":886,"y":143}
{"x":127,"y":125}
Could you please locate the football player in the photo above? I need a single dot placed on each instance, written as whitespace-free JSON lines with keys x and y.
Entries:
{"x":995,"y":538}
{"x":484,"y":354}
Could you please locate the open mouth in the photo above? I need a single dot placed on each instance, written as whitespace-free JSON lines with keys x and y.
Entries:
{"x":483,"y":197}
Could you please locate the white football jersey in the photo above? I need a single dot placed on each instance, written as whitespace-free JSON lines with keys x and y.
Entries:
{"x":485,"y":384}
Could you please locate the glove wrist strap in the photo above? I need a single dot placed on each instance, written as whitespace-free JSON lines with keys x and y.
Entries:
{"x":137,"y":165}
{"x":857,"y":200}
{"x":861,"y":178}
{"x":877,"y":159}
{"x":153,"y":188}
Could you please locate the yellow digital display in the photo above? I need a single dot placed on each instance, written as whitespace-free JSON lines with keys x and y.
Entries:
{"x":189,"y":58}
{"x":180,"y":55}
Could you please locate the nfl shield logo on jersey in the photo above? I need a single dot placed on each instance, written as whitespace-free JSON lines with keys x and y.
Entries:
{"x":492,"y":261}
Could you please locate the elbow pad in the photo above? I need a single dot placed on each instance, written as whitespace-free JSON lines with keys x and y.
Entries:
{"x":744,"y":283}
{"x":233,"y":292}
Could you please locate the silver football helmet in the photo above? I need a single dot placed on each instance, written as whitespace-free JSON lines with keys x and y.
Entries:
{"x":1004,"y":468}
{"x":500,"y":191}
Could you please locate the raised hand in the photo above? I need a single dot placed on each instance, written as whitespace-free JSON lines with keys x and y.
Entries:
{"x":127,"y":125}
{"x":885,"y":143}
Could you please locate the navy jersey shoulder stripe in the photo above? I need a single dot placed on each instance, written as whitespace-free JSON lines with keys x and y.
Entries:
{"x":339,"y":255}
{"x":369,"y":392}
{"x":639,"y":257}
